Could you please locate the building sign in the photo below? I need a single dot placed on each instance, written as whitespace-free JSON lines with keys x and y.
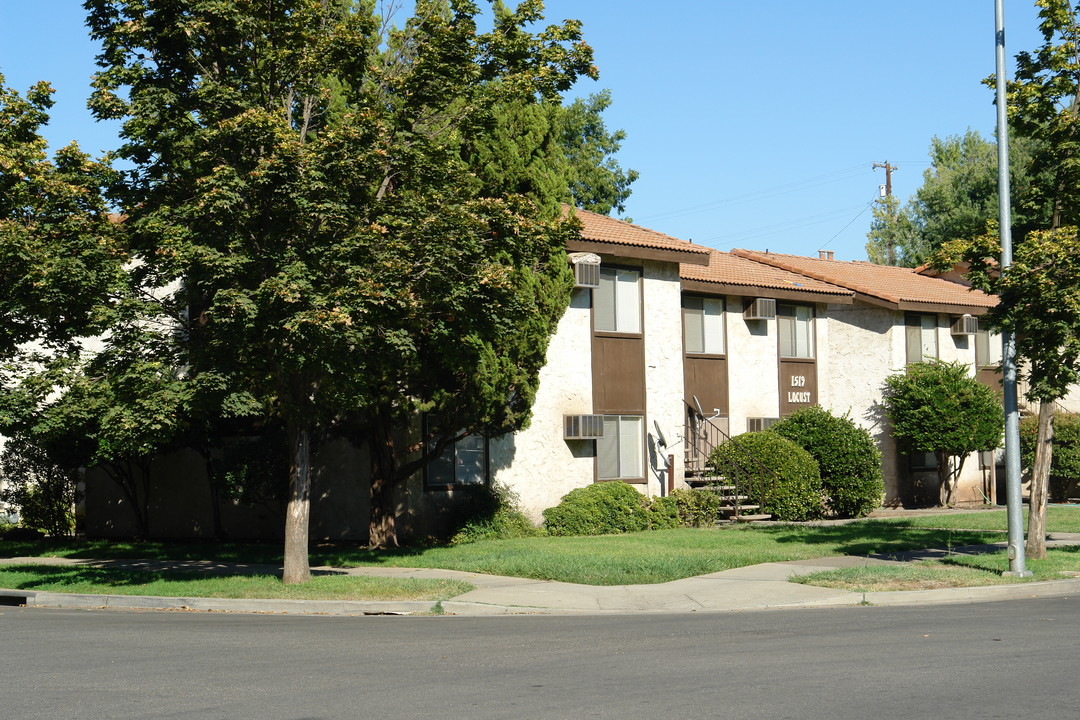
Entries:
{"x":798,"y":385}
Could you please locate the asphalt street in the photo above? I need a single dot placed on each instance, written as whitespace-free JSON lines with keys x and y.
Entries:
{"x":986,"y":660}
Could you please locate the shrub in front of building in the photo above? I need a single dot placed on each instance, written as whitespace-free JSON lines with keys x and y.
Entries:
{"x":848,"y":460}
{"x":489,"y":512}
{"x":1065,"y":458}
{"x":599,"y":509}
{"x":775,"y":470}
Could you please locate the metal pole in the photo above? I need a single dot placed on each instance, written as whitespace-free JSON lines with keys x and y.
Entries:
{"x":1008,"y":338}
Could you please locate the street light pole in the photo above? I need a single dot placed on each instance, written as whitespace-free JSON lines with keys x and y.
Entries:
{"x":1014,"y":500}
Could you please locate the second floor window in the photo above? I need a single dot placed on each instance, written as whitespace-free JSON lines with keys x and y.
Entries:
{"x":617,"y":302}
{"x":921,"y":337}
{"x":703,"y":325}
{"x":795,"y":325}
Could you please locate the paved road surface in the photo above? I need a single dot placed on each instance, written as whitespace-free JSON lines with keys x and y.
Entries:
{"x":951,"y":661}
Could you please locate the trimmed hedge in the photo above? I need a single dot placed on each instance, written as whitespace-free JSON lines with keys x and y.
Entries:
{"x":848,"y":459}
{"x":793,"y":493}
{"x":1065,"y":461}
{"x":616,"y":507}
{"x":598,"y":509}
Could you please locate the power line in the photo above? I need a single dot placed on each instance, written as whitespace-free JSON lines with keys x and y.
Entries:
{"x":865,"y":208}
{"x":831,"y":176}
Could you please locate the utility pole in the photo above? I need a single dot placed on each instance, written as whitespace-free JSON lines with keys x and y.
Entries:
{"x":888,"y":176}
{"x":890,"y":243}
{"x":1017,"y":566}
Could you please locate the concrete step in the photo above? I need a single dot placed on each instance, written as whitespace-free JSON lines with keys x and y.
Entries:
{"x":751,"y":518}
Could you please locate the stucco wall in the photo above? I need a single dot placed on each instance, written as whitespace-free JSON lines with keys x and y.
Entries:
{"x":753,"y":369}
{"x":867,"y":344}
{"x":536,"y":463}
{"x":662,"y":294}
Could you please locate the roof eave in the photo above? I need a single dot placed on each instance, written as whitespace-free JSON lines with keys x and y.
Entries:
{"x":717,"y":288}
{"x":638,"y":252}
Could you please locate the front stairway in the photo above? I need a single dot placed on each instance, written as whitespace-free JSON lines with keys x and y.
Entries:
{"x":702,"y":435}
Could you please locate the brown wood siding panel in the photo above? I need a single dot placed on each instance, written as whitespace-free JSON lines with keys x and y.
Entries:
{"x":991,"y":377}
{"x":798,"y":385}
{"x":706,"y":378}
{"x":619,"y":374}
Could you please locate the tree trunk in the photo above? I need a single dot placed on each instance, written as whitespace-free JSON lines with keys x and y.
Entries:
{"x":944,"y":469}
{"x":297,"y":513}
{"x":382,"y":530}
{"x":1035,"y":546}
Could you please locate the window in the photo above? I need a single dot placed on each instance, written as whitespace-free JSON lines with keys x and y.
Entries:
{"x":462,"y":463}
{"x":620,"y":454}
{"x":795,"y":325}
{"x":617,"y":302}
{"x":703,"y":325}
{"x":987,"y":349}
{"x":921,"y":337}
{"x":922,"y":461}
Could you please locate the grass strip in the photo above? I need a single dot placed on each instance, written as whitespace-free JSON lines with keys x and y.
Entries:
{"x":112,"y":581}
{"x":1059,"y":518}
{"x":951,"y":572}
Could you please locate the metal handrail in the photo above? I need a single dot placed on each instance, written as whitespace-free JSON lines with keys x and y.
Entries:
{"x":703,"y":436}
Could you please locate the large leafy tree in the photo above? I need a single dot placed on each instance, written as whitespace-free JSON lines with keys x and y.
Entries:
{"x":59,"y":259}
{"x":60,"y":262}
{"x":557,"y":152}
{"x":300,"y":168}
{"x":938,"y":407}
{"x":1039,"y":291}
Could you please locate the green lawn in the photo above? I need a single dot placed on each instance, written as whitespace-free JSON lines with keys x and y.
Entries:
{"x":635,"y":558}
{"x":648,"y":557}
{"x":83,"y":579}
{"x":956,"y":571}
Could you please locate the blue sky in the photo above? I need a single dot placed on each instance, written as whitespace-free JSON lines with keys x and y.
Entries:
{"x":753,"y":125}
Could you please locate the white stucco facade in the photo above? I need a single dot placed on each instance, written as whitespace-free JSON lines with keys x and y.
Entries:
{"x":662,"y":302}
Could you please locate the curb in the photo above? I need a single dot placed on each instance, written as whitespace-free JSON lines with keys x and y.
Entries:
{"x":944,"y":596}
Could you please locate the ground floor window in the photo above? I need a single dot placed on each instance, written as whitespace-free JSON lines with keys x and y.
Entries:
{"x":620,"y":454}
{"x":464,"y":462}
{"x":922,"y":461}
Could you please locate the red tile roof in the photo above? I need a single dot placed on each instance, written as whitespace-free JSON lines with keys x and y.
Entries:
{"x":902,"y":287}
{"x":727,"y":269}
{"x":601,"y":228}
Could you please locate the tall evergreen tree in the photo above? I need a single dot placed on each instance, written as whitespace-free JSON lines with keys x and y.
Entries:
{"x":297,"y":168}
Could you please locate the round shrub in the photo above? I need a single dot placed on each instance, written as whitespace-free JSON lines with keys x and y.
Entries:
{"x":598,"y":509}
{"x":784,"y":475}
{"x":847,"y":458}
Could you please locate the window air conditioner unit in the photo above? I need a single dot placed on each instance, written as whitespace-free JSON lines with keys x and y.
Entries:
{"x":583,"y":427}
{"x":760,"y":309}
{"x":965,"y":325}
{"x":586,"y":269}
{"x":760,"y":423}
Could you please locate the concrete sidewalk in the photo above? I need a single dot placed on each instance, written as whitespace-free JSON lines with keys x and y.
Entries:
{"x":756,"y":587}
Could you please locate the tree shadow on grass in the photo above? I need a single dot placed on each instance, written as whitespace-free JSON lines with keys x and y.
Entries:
{"x":875,"y":537}
{"x":235,"y":552}
{"x":67,"y":575}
